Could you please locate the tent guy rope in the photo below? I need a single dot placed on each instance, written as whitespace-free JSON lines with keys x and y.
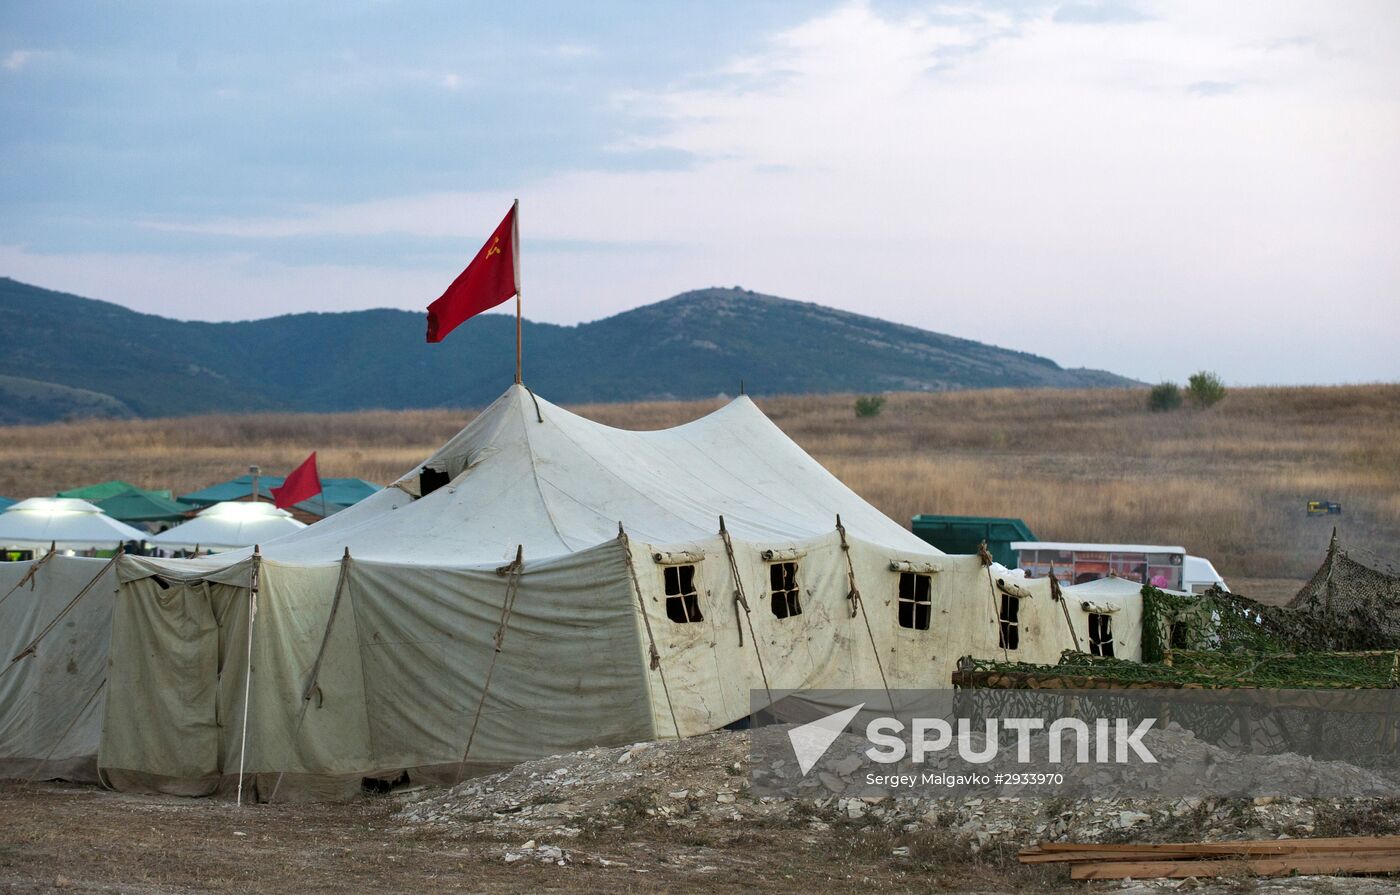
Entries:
{"x":512,"y":572}
{"x":341,"y":585}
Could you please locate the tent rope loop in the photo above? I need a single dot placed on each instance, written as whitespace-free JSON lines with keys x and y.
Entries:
{"x":29,"y":575}
{"x":742,"y":601}
{"x":646,"y":620}
{"x":313,"y":687}
{"x":32,"y":647}
{"x":1059,"y":597}
{"x":985,"y":555}
{"x":859,"y":605}
{"x":512,"y":573}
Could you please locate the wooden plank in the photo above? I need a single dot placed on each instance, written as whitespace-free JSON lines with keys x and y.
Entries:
{"x":1223,"y":846}
{"x":1188,"y":855}
{"x":1340,"y":863}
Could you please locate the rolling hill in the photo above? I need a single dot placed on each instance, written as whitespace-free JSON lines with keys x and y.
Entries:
{"x":63,"y":356}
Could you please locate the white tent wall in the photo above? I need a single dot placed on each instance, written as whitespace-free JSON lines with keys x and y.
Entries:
{"x":404,"y":670}
{"x":52,"y":701}
{"x":567,"y":673}
{"x":410,"y":649}
{"x":709,"y":669}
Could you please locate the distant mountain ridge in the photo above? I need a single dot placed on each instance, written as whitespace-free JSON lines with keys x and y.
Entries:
{"x":62,"y":355}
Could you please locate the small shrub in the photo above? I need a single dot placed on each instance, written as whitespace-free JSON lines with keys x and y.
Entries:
{"x":1204,"y":389}
{"x":1163,"y":397}
{"x":870,"y":405}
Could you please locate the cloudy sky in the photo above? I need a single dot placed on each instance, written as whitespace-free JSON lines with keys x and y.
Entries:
{"x":1150,"y":188}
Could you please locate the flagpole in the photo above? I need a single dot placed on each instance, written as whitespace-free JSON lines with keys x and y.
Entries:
{"x":515,"y":259}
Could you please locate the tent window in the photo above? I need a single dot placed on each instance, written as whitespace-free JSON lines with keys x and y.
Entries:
{"x":1100,"y":634}
{"x":429,"y":480}
{"x":682,"y":601}
{"x":1010,"y":622}
{"x":782,"y":581}
{"x":915,"y":600}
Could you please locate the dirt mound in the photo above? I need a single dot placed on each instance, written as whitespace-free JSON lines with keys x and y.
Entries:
{"x":704,"y":782}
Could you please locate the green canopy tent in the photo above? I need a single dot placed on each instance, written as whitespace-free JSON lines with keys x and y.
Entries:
{"x":338,"y":493}
{"x":131,"y":504}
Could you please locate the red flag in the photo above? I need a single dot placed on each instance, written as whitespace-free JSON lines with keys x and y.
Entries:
{"x":489,"y":280}
{"x":303,"y":483}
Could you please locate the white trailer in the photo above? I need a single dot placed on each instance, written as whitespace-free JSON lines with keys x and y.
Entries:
{"x":1167,"y":567}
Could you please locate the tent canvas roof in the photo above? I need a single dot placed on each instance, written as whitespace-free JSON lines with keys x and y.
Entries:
{"x":130,"y":503}
{"x":230,"y":525}
{"x":67,"y":522}
{"x":526,"y":472}
{"x":143,"y":506}
{"x":5,"y":503}
{"x":104,"y":490}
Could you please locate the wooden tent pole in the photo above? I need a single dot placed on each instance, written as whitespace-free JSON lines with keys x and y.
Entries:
{"x":515,"y":259}
{"x":248,"y":670}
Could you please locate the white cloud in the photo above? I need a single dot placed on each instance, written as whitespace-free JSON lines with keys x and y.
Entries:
{"x":18,"y":59}
{"x":572,"y":50}
{"x":1070,"y":189}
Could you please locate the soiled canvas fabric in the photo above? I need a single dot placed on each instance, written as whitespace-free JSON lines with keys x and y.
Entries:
{"x":52,"y":702}
{"x":403,"y":671}
{"x":592,"y":649}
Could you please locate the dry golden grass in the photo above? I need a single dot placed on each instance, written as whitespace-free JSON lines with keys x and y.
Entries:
{"x":1229,"y":483}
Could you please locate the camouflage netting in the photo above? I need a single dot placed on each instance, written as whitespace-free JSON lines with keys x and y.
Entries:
{"x":1362,"y":587}
{"x":1348,"y":606}
{"x":1192,"y":669}
{"x":1341,"y":631}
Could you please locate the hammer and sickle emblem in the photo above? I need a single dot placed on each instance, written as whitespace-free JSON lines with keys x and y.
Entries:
{"x":495,"y":247}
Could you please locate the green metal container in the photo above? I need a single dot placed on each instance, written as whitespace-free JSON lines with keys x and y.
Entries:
{"x":962,"y":534}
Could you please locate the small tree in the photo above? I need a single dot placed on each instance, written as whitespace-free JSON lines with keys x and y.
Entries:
{"x":870,"y":405}
{"x":1163,"y":397}
{"x":1204,"y":389}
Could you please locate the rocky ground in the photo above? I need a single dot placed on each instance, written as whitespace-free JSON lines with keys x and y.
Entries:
{"x":667,"y":816}
{"x":551,"y":812}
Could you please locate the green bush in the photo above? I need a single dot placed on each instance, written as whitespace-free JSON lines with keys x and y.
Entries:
{"x":1163,"y":397}
{"x":870,"y":405}
{"x":1204,"y":389}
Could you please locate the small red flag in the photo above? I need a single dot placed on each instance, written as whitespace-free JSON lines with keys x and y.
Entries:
{"x":489,"y":280}
{"x":303,"y":483}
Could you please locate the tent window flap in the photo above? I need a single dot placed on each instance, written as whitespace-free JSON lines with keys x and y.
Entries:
{"x":782,"y":581}
{"x":915,"y":600}
{"x":1100,"y":634}
{"x":1010,"y":622}
{"x":682,"y":600}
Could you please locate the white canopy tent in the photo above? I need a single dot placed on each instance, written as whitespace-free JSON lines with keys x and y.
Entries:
{"x":65,"y":522}
{"x":567,"y":584}
{"x":229,"y":525}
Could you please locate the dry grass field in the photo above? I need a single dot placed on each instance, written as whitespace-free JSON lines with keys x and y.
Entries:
{"x":1229,"y":482}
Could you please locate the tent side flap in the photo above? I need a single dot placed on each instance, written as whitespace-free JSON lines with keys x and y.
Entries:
{"x":568,"y":671}
{"x":161,"y":731}
{"x":52,"y":701}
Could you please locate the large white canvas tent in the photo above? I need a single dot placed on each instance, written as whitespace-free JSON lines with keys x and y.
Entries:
{"x":229,"y":525}
{"x":567,"y":584}
{"x":65,"y":522}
